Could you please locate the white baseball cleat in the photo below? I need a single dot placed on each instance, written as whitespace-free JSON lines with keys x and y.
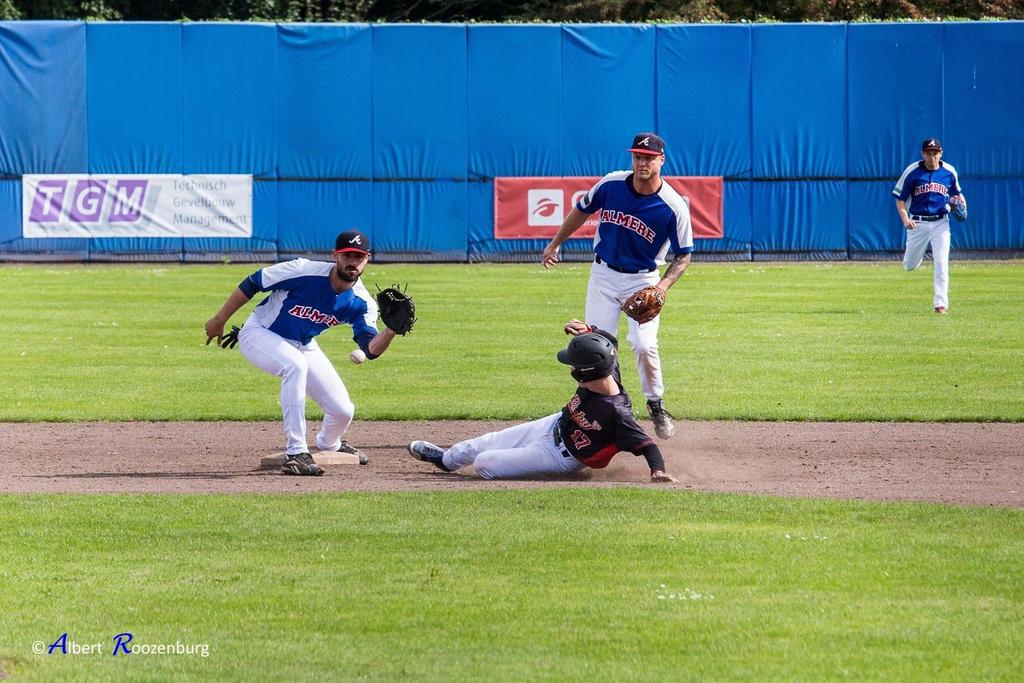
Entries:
{"x":662,"y":419}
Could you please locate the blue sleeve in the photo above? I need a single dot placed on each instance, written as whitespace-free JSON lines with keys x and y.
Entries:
{"x":362,"y":331}
{"x":362,"y":340}
{"x":955,"y":190}
{"x":251,"y":284}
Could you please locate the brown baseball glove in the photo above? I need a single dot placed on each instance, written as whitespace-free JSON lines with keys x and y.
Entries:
{"x":644,"y":305}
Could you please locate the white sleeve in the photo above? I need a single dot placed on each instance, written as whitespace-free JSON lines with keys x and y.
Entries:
{"x":684,"y":226}
{"x":898,"y":190}
{"x":680,"y":207}
{"x":587,"y":200}
{"x":372,"y":312}
{"x":288,"y":270}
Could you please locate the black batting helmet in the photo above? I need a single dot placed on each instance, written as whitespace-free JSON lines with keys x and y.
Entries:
{"x":591,"y":356}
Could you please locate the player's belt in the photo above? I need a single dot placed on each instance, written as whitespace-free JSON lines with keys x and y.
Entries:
{"x":558,"y":442}
{"x":928,"y":219}
{"x":620,"y":269}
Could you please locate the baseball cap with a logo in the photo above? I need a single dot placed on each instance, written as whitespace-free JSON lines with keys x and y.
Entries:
{"x":352,"y":240}
{"x":648,"y":143}
{"x":931,"y":143}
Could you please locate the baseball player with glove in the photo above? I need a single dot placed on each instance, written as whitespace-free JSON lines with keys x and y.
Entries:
{"x":589,"y":431}
{"x":933,"y":188}
{"x":641,"y":217}
{"x":307,"y":298}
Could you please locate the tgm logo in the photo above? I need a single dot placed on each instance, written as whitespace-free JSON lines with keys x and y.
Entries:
{"x":545,"y":207}
{"x":83,"y":201}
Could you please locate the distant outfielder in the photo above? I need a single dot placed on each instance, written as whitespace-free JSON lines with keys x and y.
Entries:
{"x":307,"y":298}
{"x":596,"y":424}
{"x":933,"y":188}
{"x":640,"y":218}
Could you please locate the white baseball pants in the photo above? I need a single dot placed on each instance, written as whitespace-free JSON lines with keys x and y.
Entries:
{"x":520,"y":451}
{"x":606,"y":291}
{"x":304,"y":370}
{"x":937,"y":234}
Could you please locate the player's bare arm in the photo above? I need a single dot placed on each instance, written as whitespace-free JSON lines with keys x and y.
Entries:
{"x":908,"y":222}
{"x":674,"y":271}
{"x":382,"y":341}
{"x":215,"y":325}
{"x":571,"y":224}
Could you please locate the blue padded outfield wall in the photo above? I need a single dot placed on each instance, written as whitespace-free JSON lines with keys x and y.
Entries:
{"x":399,"y":130}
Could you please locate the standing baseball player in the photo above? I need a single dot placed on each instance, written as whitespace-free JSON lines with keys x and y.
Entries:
{"x":932,"y":186}
{"x":641,"y":218}
{"x":596,"y":424}
{"x":306,"y":298}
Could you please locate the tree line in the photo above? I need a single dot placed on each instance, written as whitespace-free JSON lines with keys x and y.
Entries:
{"x":458,"y":11}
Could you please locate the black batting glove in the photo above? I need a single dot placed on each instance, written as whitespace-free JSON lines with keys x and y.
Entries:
{"x":229,"y":340}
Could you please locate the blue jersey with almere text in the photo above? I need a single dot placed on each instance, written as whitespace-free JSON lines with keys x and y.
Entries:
{"x":634,"y":230}
{"x":302,"y":302}
{"x":928,"y":192}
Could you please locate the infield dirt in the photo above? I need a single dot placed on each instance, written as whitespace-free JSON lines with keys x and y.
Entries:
{"x":954,"y":463}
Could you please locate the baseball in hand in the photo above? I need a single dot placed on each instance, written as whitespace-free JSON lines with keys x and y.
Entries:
{"x":357,"y":356}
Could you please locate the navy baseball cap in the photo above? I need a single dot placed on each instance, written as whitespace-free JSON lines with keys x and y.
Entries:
{"x":931,"y":143}
{"x":352,"y":240}
{"x":648,"y":143}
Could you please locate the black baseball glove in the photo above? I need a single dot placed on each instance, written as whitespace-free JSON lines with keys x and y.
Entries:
{"x":397,"y":310}
{"x":229,"y":340}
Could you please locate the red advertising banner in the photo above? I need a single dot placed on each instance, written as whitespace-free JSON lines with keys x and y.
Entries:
{"x":534,"y":208}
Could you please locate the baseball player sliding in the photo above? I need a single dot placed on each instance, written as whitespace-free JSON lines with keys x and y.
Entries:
{"x":641,"y":216}
{"x":593,"y":427}
{"x":306,"y":298}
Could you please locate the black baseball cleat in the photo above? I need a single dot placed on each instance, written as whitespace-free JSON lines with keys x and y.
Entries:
{"x":301,"y":464}
{"x":345,"y":448}
{"x":662,"y":419}
{"x":428,"y":452}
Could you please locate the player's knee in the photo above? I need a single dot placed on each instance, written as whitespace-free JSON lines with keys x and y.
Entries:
{"x":295,"y":372}
{"x":340,"y":408}
{"x":646,"y":348}
{"x":486,"y":466}
{"x":908,"y":266}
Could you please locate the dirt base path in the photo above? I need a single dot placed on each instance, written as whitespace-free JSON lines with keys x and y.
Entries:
{"x":963,"y":464}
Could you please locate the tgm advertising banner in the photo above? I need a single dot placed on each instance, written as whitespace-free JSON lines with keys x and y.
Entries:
{"x":530,"y":208}
{"x":136,"y":205}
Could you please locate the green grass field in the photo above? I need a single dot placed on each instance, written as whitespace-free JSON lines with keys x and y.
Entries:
{"x":806,"y":341}
{"x":628,"y":584}
{"x":548,"y":584}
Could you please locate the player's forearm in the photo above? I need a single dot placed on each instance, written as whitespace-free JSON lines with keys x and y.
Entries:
{"x":380,"y":343}
{"x":901,"y":209}
{"x":235,"y":300}
{"x":674,"y":271}
{"x":571,"y":224}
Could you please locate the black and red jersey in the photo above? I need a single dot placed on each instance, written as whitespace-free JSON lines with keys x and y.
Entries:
{"x":594,"y":427}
